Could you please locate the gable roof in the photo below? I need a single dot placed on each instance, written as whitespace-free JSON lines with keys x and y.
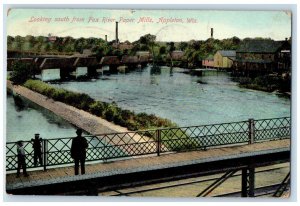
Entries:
{"x":227,"y":53}
{"x":177,"y":55}
{"x":260,"y":46}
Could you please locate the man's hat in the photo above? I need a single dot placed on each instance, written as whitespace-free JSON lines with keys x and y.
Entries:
{"x":20,"y":142}
{"x":79,"y":131}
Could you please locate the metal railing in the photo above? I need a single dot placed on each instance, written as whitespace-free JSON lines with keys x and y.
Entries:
{"x":128,"y":144}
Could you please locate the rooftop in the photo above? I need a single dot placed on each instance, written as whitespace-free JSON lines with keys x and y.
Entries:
{"x":260,"y":46}
{"x":227,"y":53}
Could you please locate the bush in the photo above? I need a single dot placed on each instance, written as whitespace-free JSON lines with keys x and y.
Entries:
{"x":97,"y":108}
{"x":21,"y":72}
{"x":119,"y":120}
{"x":86,"y":101}
{"x":59,"y":95}
{"x":266,"y":83}
{"x":109,"y":111}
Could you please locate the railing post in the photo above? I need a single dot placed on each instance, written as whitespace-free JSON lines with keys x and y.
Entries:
{"x":244,"y":182}
{"x":251,"y":131}
{"x":105,"y":153}
{"x":248,"y":181}
{"x":45,"y":154}
{"x":158,"y":141}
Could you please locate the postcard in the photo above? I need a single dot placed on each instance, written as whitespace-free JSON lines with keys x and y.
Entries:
{"x":148,"y":103}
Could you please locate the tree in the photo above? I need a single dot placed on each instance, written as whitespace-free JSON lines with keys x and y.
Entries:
{"x":21,"y":72}
{"x":162,"y":50}
{"x":183,"y":46}
{"x":19,"y":41}
{"x":170,"y":49}
{"x":10,"y":41}
{"x":148,"y":40}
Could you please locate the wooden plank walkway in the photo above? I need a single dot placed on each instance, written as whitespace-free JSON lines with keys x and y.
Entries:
{"x":66,"y":174}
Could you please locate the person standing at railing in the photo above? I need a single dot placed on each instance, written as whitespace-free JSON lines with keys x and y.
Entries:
{"x":37,"y":149}
{"x":21,"y":159}
{"x":78,"y":151}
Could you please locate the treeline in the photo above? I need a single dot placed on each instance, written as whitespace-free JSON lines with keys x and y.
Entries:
{"x":194,"y":50}
{"x":61,"y":44}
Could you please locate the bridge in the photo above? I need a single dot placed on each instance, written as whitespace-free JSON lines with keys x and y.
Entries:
{"x":127,"y":159}
{"x":67,"y":64}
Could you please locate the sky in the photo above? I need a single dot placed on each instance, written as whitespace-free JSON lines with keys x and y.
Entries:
{"x":135,"y":23}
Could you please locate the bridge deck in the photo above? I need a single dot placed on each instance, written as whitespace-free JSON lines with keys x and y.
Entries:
{"x":100,"y":170}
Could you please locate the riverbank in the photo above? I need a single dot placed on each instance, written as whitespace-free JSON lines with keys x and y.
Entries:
{"x":88,"y":122}
{"x":95,"y":124}
{"x":108,"y":111}
{"x":266,"y":83}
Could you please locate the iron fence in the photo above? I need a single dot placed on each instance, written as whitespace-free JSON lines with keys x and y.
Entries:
{"x":128,"y":144}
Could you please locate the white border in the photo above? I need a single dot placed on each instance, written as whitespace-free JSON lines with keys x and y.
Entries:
{"x":163,"y":4}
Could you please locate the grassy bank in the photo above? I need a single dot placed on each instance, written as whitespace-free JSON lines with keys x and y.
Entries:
{"x":108,"y":111}
{"x":266,"y":83}
{"x":113,"y":113}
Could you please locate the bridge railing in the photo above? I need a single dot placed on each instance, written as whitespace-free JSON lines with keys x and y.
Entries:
{"x":103,"y":147}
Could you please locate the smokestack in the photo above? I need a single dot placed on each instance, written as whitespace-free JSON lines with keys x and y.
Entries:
{"x":211,"y":32}
{"x":117,"y":38}
{"x":105,"y":38}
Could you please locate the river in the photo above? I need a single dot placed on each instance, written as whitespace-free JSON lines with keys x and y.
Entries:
{"x":169,"y":93}
{"x":23,"y":122}
{"x":182,"y":98}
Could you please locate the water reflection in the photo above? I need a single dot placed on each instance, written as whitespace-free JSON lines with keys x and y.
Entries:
{"x":155,"y":70}
{"x":25,"y":118}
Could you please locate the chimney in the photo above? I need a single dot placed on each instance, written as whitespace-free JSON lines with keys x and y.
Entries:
{"x":105,"y":38}
{"x":117,"y":38}
{"x":211,"y":32}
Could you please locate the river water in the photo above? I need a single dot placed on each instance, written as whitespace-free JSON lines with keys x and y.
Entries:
{"x":23,"y":122}
{"x":182,"y":98}
{"x":169,"y":93}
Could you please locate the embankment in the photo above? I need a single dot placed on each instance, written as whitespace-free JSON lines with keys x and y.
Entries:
{"x":88,"y":122}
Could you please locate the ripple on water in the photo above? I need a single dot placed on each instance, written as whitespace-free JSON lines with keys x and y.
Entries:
{"x":180,"y":98}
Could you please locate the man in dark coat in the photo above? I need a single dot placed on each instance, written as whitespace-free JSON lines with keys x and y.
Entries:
{"x":37,"y":149}
{"x":78,"y":151}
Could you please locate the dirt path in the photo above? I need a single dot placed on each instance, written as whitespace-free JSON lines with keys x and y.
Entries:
{"x":88,"y":122}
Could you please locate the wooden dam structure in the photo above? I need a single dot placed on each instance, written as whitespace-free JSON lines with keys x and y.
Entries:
{"x":66,"y":65}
